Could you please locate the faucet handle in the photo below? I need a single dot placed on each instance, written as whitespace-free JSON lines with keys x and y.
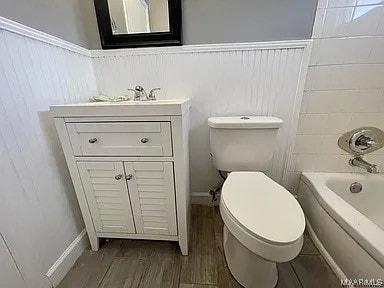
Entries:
{"x":137,"y":94}
{"x":152,"y":95}
{"x":364,"y":142}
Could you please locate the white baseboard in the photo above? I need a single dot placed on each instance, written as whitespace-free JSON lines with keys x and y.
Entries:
{"x":66,"y":260}
{"x":203,"y":198}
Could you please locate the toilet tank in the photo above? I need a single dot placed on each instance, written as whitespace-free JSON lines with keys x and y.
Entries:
{"x":243,"y":143}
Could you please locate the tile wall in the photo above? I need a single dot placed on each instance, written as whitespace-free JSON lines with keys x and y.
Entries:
{"x":344,"y":86}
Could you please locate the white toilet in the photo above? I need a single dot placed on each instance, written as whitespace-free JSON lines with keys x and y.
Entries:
{"x":263,"y":222}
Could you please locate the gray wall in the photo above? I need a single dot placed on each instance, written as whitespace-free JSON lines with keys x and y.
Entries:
{"x":220,"y":21}
{"x":71,"y":20}
{"x":204,"y":21}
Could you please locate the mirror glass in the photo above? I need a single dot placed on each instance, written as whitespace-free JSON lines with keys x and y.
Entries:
{"x":138,"y":16}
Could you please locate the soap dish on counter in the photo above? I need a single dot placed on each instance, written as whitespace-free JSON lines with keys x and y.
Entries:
{"x":109,"y":99}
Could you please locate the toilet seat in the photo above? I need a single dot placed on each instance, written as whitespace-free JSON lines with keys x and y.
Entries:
{"x":262,"y":215}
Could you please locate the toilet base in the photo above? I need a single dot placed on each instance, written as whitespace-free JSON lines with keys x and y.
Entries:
{"x":249,"y":269}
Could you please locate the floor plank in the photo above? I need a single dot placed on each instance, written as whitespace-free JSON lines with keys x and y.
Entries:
{"x":125,"y":273}
{"x":154,"y":264}
{"x":142,"y":249}
{"x":200,"y":265}
{"x":308,"y":247}
{"x":287,"y":277}
{"x":90,"y":268}
{"x":197,"y":286}
{"x":225,"y":279}
{"x":163,"y":271}
{"x":314,"y":272}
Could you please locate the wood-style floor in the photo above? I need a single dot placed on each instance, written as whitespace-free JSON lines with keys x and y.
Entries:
{"x":140,"y":263}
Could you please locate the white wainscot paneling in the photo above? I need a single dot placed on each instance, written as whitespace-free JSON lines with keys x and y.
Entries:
{"x":264,"y":79}
{"x":38,"y":209}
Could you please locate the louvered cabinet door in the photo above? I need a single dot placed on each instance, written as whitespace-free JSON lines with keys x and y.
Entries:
{"x":152,"y":192}
{"x":107,"y":196}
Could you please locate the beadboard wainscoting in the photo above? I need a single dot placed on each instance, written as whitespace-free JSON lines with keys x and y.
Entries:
{"x":39,"y":214}
{"x":38,"y":70}
{"x":221,"y":80}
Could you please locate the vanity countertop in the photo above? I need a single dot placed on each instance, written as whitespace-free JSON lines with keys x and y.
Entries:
{"x":127,"y":108}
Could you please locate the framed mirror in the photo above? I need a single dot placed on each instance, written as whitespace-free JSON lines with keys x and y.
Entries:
{"x":138,"y":23}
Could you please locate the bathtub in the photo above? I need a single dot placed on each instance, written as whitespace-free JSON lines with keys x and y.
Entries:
{"x":347,"y":228}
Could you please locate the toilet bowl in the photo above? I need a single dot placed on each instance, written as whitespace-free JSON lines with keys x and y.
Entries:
{"x":263,"y":225}
{"x":263,"y":222}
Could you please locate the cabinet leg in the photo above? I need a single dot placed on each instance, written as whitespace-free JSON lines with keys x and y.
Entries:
{"x":94,"y":243}
{"x":183,"y":247}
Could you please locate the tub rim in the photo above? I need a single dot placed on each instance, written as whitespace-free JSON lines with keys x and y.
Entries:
{"x":363,"y":230}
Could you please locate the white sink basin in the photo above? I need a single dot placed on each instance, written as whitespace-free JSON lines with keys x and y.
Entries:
{"x":126,"y":108}
{"x":155,"y":102}
{"x":130,"y":102}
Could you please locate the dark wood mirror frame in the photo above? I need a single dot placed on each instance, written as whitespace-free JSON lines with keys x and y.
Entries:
{"x":110,"y":41}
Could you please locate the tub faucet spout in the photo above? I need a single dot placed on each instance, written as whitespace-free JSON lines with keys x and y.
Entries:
{"x":360,"y":162}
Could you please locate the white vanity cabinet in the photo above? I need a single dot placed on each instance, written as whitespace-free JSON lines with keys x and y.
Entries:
{"x":129,"y":166}
{"x":151,"y":187}
{"x":107,"y":196}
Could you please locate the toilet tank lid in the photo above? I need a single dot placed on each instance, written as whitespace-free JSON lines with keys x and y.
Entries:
{"x":244,"y":122}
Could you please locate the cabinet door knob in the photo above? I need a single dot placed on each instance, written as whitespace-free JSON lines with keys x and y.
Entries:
{"x":144,"y":140}
{"x":92,"y":140}
{"x":118,"y":176}
{"x":129,"y":177}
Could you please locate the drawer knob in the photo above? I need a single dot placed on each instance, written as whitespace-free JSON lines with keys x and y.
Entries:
{"x":118,"y":176}
{"x":144,"y":140}
{"x":92,"y":140}
{"x":129,"y":177}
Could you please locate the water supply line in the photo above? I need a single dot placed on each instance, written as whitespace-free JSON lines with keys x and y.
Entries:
{"x":216,"y":191}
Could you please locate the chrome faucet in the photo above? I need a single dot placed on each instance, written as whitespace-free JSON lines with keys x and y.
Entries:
{"x":360,"y":162}
{"x":361,"y":141}
{"x":364,"y":142}
{"x":152,"y":95}
{"x":141,"y":95}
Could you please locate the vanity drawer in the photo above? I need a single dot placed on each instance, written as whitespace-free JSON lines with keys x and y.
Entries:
{"x":120,"y":139}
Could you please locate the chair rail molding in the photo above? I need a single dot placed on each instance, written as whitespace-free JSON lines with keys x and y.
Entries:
{"x":17,"y":28}
{"x":204,"y":48}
